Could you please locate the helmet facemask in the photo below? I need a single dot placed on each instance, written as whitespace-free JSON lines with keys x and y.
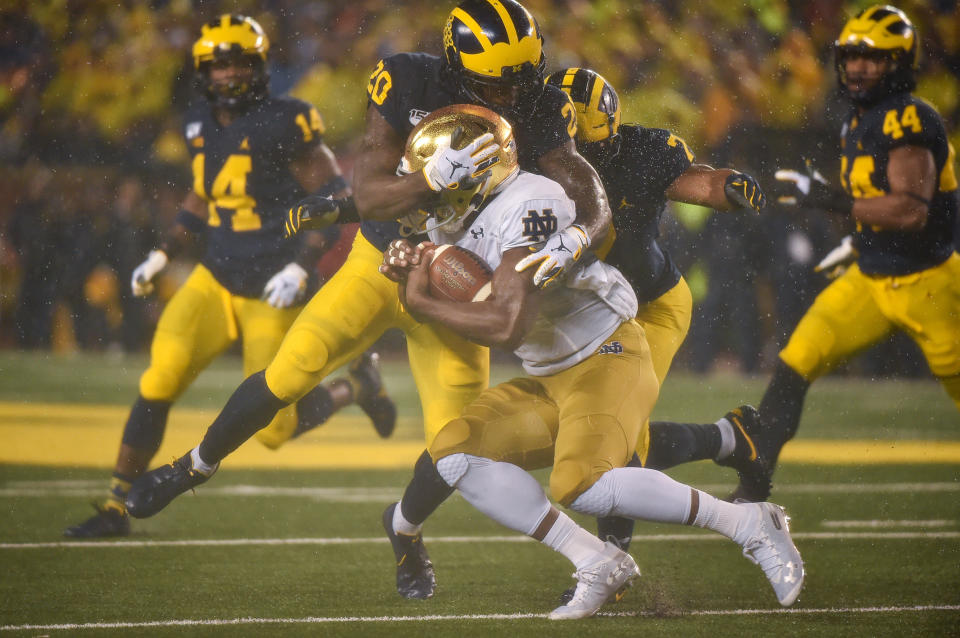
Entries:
{"x":232,"y":41}
{"x":880,"y":32}
{"x":239,"y":91}
{"x":494,"y":52}
{"x":597,"y":106}
{"x":458,"y":125}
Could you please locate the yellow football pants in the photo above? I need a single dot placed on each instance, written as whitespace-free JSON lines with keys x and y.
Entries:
{"x":583,"y":421}
{"x":200,"y":321}
{"x":666,"y":322}
{"x":856,"y":311}
{"x":351,"y":311}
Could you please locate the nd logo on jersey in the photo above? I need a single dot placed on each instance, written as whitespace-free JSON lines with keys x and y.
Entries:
{"x":538,"y":225}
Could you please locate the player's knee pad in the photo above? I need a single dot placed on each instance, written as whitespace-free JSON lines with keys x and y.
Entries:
{"x":570,"y":478}
{"x":455,"y":437}
{"x":161,"y":384}
{"x":453,"y":467}
{"x":598,"y":500}
{"x":297,"y":367}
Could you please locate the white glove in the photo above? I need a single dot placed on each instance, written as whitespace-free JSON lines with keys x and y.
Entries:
{"x":450,"y":169}
{"x":556,"y":256}
{"x":286,"y":287}
{"x":141,"y":282}
{"x":837,"y":260}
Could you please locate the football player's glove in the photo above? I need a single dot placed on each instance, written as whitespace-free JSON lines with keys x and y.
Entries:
{"x":451,"y":169}
{"x":142,"y":281}
{"x":556,"y":256}
{"x":743,"y":191}
{"x":315,"y":212}
{"x":810,"y":189}
{"x":286,"y":287}
{"x":839,"y":259}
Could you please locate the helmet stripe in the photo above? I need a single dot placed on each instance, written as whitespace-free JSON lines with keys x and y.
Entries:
{"x":474,"y":27}
{"x":509,"y":26}
{"x":596,"y":92}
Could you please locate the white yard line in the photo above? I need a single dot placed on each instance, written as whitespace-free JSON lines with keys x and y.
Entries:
{"x":314,"y":620}
{"x":883,"y":524}
{"x":87,"y":488}
{"x":647,"y":538}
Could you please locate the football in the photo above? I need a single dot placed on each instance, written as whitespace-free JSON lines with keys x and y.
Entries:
{"x":458,"y":274}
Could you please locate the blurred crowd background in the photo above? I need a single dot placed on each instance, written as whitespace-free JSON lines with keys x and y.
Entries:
{"x":94,"y":167}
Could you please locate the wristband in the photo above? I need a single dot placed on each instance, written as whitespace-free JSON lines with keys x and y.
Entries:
{"x":191,"y":222}
{"x":335,"y":185}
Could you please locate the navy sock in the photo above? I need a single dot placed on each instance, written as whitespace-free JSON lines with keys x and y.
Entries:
{"x":250,"y":408}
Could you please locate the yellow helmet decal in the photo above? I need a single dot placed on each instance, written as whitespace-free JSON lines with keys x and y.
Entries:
{"x":493,"y":57}
{"x":595,"y":101}
{"x":871,"y":28}
{"x":227,"y":32}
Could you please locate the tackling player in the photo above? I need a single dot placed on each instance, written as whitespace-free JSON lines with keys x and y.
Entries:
{"x":590,"y":389}
{"x":251,"y":155}
{"x":899,"y":185}
{"x":641,"y":169}
{"x":494,"y":56}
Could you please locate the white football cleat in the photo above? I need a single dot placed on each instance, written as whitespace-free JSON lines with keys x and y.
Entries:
{"x":770,"y":546}
{"x":599,"y":582}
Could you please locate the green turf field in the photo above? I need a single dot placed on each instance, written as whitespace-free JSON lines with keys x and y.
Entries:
{"x":267,"y":550}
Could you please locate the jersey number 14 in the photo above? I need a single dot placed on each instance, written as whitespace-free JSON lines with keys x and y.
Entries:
{"x":228,"y":192}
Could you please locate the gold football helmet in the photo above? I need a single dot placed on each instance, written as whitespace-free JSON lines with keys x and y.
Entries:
{"x":236,"y":39}
{"x":598,"y":111}
{"x":458,"y":125}
{"x":880,"y":31}
{"x":494,"y":50}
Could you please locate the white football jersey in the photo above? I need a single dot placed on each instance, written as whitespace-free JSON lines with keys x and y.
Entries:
{"x":576,"y":316}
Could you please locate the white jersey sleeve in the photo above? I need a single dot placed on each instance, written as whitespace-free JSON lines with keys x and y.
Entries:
{"x":574,"y":318}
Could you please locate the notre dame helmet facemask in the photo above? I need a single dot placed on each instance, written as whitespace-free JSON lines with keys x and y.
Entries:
{"x":494,"y":51}
{"x":458,"y":125}
{"x":233,"y":39}
{"x":598,"y":111}
{"x":882,"y":32}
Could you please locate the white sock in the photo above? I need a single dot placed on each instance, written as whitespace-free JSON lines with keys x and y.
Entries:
{"x":733,"y":520}
{"x":637,"y":493}
{"x":640,"y":493}
{"x":574,"y":542}
{"x":728,"y":441}
{"x":402,"y":525}
{"x":200,"y":465}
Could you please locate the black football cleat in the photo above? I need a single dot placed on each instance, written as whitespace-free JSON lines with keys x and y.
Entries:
{"x":107,"y":522}
{"x":415,"y":577}
{"x":752,"y":468}
{"x":371,"y":396}
{"x":155,"y":489}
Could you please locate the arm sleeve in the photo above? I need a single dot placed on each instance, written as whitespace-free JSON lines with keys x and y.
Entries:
{"x":302,"y":128}
{"x":663,"y":158}
{"x":913,"y":124}
{"x":385,"y":91}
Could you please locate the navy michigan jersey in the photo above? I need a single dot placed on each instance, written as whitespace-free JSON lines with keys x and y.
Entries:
{"x":636,"y":180}
{"x":242,"y":172}
{"x":406,"y":87}
{"x":867,"y":139}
